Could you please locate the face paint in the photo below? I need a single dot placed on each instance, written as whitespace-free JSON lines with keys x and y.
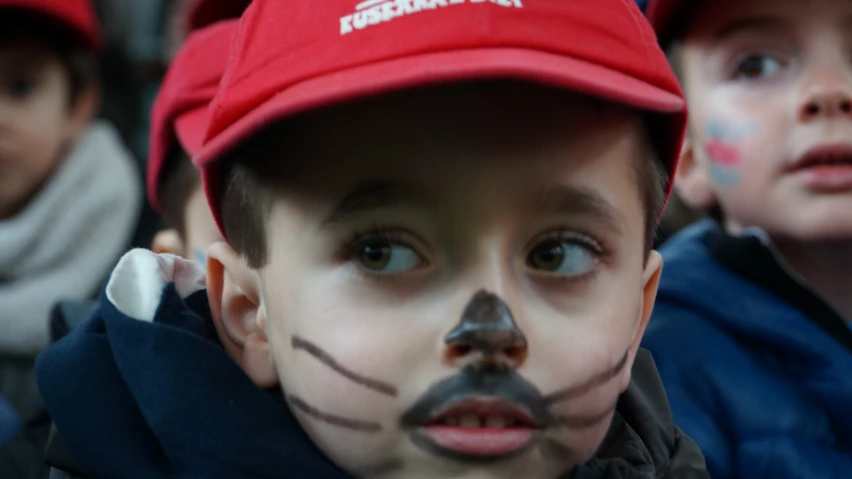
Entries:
{"x":581,"y":389}
{"x":487,"y":333}
{"x":199,"y":256}
{"x":486,"y":386}
{"x":328,"y":360}
{"x":723,"y":151}
{"x":346,"y":423}
{"x":724,"y":176}
{"x":339,"y":421}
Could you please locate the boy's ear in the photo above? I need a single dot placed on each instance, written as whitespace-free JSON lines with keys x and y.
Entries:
{"x":651,"y":282}
{"x":240,"y":319}
{"x":168,"y":241}
{"x":84,"y":109}
{"x":692,"y":180}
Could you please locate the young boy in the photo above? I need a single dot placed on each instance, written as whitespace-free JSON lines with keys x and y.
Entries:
{"x":438,"y":216}
{"x":751,"y":329}
{"x":69,"y":192}
{"x":179,"y":119}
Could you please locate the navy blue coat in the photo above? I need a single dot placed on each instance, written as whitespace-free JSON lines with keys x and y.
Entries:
{"x":10,"y":424}
{"x":757,"y":368}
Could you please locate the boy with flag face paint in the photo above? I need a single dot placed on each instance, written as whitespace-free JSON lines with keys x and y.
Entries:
{"x":757,"y":303}
{"x":438,"y":218}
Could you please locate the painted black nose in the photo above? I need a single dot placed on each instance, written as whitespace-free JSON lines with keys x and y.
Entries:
{"x":486,"y":335}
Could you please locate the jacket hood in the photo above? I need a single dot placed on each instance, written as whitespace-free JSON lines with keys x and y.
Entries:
{"x":143,"y":388}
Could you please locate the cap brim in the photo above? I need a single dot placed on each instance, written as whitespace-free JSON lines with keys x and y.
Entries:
{"x":190,"y":128}
{"x":434,"y":68}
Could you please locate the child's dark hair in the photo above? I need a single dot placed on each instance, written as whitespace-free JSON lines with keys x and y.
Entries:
{"x":178,"y":180}
{"x":78,"y":59}
{"x":251,"y":180}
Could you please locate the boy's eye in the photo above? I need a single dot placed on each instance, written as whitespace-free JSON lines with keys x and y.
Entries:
{"x":757,"y":66}
{"x":386,"y":257}
{"x":563,"y":258}
{"x":19,"y":87}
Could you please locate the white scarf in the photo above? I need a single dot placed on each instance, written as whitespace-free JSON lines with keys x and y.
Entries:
{"x":64,"y":242}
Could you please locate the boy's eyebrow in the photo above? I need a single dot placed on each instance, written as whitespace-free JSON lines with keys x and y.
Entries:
{"x":379,"y":194}
{"x":748,"y":23}
{"x":577,"y":201}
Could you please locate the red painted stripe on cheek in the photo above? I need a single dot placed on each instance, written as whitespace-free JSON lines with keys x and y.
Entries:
{"x":722,"y":154}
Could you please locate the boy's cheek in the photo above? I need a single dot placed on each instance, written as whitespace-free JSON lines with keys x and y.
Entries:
{"x":343,"y":387}
{"x":728,"y":147}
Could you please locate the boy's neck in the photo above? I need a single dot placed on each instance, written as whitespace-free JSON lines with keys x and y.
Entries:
{"x":825,"y":268}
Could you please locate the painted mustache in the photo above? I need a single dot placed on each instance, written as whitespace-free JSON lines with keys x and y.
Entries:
{"x":493,"y":384}
{"x":486,"y":348}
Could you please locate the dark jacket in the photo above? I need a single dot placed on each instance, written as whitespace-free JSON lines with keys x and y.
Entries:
{"x":758,"y":369}
{"x":10,"y":423}
{"x":160,"y":398}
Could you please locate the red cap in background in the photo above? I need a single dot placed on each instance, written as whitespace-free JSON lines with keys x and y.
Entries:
{"x":203,"y":13}
{"x":180,"y":110}
{"x":79,"y":15}
{"x":291,"y":56}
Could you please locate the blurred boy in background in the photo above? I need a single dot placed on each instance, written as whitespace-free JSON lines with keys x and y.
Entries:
{"x":179,"y":121}
{"x":751,"y":328}
{"x":69,"y":193}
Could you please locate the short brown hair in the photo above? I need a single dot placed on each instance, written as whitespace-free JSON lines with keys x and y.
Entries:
{"x":78,"y":60}
{"x":250,"y":182}
{"x":179,"y":179}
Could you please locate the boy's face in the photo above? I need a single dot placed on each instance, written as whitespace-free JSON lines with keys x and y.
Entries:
{"x":769,"y":87}
{"x":37,"y":121}
{"x":456,"y":284}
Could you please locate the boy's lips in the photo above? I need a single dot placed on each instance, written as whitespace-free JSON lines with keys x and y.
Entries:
{"x":825,"y":167}
{"x":475,"y":415}
{"x":481,"y":427}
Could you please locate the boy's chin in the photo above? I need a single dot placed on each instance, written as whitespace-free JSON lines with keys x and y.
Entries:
{"x":525,"y":467}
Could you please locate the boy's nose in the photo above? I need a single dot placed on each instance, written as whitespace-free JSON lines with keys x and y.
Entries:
{"x":827,"y":100}
{"x":486,"y":335}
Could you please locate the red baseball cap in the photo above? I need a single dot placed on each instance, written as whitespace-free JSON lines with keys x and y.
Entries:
{"x":181,"y":108}
{"x":288,"y":57}
{"x":78,"y":14}
{"x":203,"y":13}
